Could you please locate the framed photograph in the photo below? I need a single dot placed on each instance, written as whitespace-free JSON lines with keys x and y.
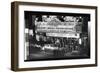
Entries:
{"x":52,"y":36}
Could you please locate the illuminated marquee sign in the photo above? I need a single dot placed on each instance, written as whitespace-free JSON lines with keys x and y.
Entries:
{"x":61,"y":27}
{"x":57,"y":28}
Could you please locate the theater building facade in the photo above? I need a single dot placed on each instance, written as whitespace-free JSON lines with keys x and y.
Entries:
{"x":53,"y":36}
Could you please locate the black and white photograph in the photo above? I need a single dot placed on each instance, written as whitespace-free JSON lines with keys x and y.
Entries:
{"x":56,"y":36}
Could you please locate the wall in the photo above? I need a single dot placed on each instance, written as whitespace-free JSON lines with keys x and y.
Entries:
{"x":5,"y":31}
